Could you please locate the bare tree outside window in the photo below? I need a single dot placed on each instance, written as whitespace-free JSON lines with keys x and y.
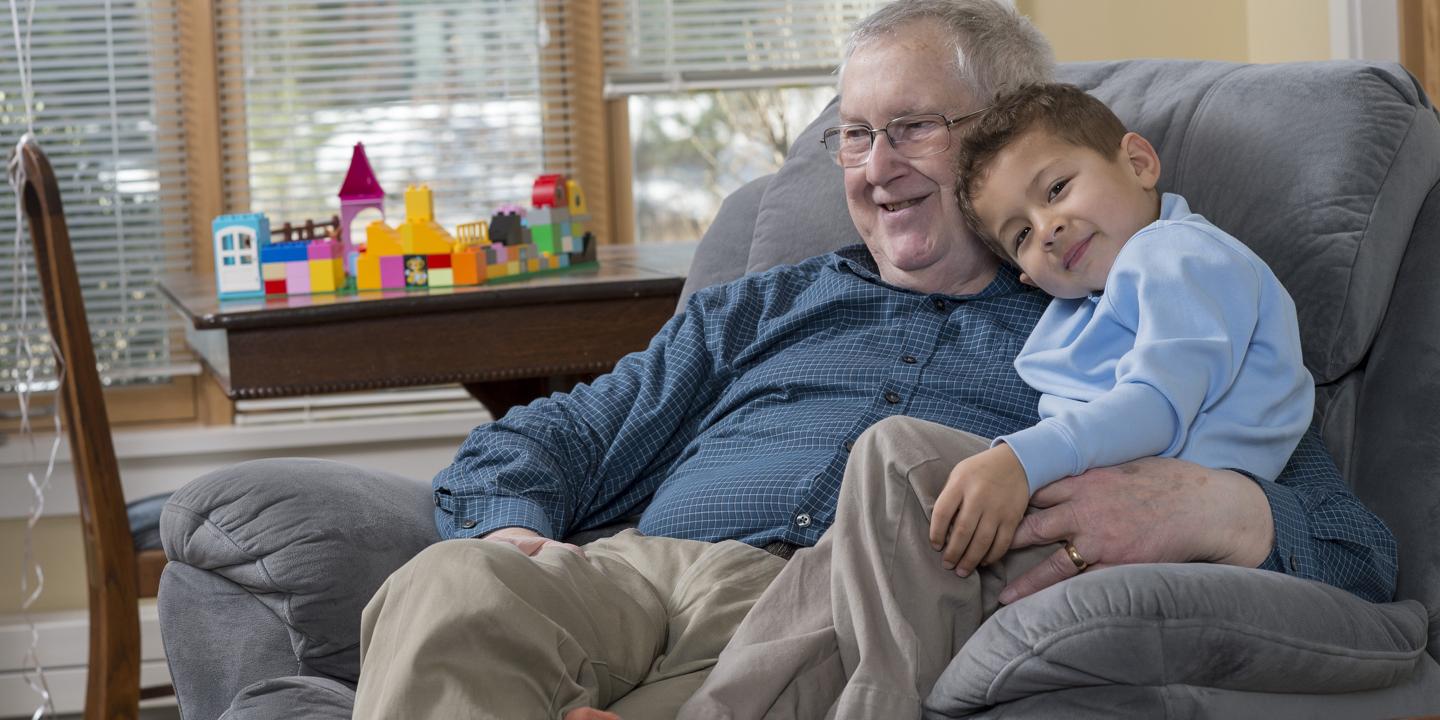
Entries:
{"x":693,"y":149}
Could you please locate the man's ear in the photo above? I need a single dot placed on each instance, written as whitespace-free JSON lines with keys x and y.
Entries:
{"x":1025,"y":279}
{"x":1142,"y":158}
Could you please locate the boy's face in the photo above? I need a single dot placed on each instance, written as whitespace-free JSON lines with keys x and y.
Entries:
{"x":1062,"y":212}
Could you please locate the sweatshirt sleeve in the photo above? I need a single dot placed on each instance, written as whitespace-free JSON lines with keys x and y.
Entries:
{"x":1193,"y":305}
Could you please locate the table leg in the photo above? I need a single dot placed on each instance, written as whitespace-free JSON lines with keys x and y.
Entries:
{"x":500,"y":395}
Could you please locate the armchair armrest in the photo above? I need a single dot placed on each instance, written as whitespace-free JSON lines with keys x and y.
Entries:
{"x":1191,"y":624}
{"x":310,"y":539}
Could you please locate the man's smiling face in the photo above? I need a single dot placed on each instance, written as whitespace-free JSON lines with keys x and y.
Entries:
{"x":905,"y":208}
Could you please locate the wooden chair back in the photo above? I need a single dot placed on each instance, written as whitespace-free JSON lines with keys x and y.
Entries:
{"x":111,"y":565}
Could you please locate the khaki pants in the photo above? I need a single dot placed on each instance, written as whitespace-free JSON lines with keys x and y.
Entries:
{"x":862,"y":624}
{"x":476,"y":629}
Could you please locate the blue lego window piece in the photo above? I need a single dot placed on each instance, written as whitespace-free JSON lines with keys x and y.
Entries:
{"x":247,"y":242}
{"x":246,"y":260}
{"x":227,"y":242}
{"x":229,"y":260}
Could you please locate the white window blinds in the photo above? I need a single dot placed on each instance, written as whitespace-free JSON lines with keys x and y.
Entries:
{"x":467,"y":96}
{"x":682,"y":45}
{"x":106,"y":86}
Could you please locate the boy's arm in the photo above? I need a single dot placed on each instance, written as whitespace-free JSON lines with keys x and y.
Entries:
{"x":584,"y":458}
{"x":1195,"y":304}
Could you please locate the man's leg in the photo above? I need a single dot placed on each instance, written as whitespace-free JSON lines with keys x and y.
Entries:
{"x":783,"y":661}
{"x":477,"y":629}
{"x":870,"y":604}
{"x":900,"y":616}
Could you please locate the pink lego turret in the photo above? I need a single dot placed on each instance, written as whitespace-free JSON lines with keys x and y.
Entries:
{"x":359,"y":191}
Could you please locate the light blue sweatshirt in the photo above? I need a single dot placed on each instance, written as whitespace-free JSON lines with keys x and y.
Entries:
{"x":1192,"y":351}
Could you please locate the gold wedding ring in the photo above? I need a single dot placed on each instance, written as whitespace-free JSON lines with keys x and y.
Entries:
{"x":1074,"y":554}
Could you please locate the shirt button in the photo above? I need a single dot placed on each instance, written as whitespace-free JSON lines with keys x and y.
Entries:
{"x":892,"y":398}
{"x":802,"y":520}
{"x":467,"y":524}
{"x":939,"y":304}
{"x":908,"y":360}
{"x":1294,"y":565}
{"x":849,"y":445}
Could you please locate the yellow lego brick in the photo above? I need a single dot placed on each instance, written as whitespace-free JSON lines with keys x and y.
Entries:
{"x":381,"y":239}
{"x":532,"y":265}
{"x":553,"y":261}
{"x":512,"y":267}
{"x":322,"y":275}
{"x":368,"y":272}
{"x":442,"y":277}
{"x":578,"y":206}
{"x":425,"y":237}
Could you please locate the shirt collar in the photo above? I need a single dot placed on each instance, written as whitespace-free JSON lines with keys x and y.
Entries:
{"x":857,"y":260}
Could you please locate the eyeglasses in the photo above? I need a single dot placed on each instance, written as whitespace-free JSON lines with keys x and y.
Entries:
{"x":913,"y":136}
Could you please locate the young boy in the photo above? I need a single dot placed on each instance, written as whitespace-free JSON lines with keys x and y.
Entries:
{"x":1166,"y":336}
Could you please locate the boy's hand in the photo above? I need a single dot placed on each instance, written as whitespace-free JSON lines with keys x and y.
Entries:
{"x":976,"y":514}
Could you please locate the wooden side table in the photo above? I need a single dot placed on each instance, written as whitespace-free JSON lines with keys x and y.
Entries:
{"x":508,"y":343}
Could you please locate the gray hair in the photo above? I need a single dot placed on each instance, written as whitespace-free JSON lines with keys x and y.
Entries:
{"x":996,"y":48}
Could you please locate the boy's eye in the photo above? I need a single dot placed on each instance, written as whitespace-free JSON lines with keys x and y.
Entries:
{"x":1056,"y":188}
{"x":1020,"y":237}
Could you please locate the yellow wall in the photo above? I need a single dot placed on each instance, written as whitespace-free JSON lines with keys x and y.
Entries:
{"x":1234,"y":30}
{"x":1288,"y":30}
{"x":62,"y":557}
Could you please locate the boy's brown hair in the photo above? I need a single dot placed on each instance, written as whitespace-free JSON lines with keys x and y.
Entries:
{"x":1064,"y":111}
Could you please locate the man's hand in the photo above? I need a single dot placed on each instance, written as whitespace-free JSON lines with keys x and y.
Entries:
{"x":1150,"y":510}
{"x":529,"y":541}
{"x":976,"y":514}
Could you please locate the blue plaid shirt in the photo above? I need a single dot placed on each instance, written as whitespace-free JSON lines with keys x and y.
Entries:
{"x":737,"y":421}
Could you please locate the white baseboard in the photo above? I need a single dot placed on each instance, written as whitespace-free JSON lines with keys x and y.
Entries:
{"x":63,"y":648}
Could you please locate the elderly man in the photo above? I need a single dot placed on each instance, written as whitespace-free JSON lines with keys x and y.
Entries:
{"x":730,"y":433}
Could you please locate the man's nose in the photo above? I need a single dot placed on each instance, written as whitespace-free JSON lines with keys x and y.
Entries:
{"x":884,"y":161}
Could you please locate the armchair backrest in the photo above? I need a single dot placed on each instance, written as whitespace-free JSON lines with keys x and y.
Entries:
{"x":1327,"y":170}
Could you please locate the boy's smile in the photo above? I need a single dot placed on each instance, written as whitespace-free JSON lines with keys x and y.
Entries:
{"x":1062,"y":212}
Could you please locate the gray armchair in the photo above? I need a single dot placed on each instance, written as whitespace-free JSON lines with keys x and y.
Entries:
{"x":1328,"y":170}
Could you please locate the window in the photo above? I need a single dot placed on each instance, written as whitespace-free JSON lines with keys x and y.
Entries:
{"x":467,"y":97}
{"x":105,"y":82}
{"x":717,"y":92}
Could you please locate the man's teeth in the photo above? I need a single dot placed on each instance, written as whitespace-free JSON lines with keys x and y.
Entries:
{"x":892,"y":207}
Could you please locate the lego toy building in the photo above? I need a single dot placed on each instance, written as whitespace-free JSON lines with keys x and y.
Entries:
{"x":361,"y":191}
{"x":418,"y":253}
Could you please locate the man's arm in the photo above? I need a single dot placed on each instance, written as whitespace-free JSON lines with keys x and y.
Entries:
{"x":1323,"y":532}
{"x":592,"y":456}
{"x":1166,"y":510}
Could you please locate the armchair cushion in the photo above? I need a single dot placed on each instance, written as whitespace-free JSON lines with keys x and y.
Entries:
{"x":1201,"y":625}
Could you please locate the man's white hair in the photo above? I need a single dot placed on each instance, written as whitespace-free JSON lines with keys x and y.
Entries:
{"x":996,"y":48}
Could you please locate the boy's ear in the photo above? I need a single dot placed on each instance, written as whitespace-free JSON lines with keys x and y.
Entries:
{"x":1142,"y":158}
{"x":1025,"y":279}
